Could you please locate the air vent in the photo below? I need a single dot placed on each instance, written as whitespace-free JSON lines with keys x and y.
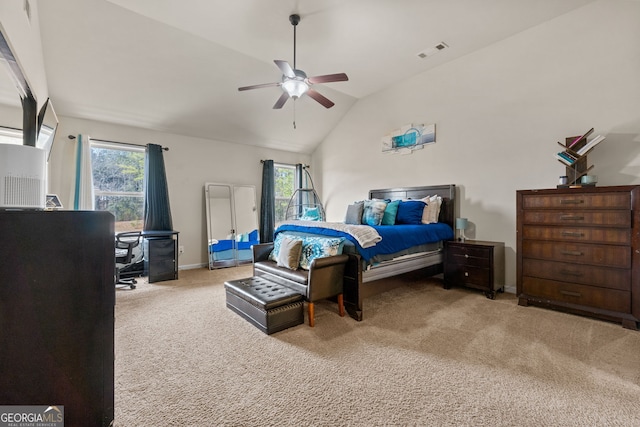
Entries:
{"x":27,"y":10}
{"x":432,"y":50}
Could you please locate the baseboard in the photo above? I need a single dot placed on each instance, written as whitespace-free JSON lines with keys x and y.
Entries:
{"x":191,"y":266}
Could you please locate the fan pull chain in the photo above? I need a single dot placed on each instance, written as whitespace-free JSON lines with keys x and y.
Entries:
{"x":294,"y":114}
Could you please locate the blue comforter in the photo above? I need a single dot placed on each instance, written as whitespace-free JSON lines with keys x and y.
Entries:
{"x":395,"y":238}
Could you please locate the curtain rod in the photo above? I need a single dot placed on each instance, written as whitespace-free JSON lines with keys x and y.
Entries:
{"x":116,"y":142}
{"x":303,"y":165}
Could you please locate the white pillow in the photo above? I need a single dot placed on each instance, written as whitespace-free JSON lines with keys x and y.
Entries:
{"x":432,"y":210}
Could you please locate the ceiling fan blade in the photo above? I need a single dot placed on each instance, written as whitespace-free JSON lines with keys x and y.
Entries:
{"x":280,"y":102}
{"x":259,"y":86}
{"x":285,"y":68}
{"x":320,"y":98}
{"x":340,"y":77}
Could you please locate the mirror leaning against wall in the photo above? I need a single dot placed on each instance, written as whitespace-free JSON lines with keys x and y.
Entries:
{"x":232,"y":223}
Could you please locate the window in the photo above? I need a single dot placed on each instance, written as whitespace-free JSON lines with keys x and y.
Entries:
{"x":10,"y":136}
{"x":118,"y":183}
{"x":285,"y":185}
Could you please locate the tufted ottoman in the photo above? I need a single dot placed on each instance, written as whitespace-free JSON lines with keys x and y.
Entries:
{"x":271,"y":307}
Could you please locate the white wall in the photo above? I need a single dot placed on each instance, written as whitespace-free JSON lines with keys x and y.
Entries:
{"x":499,"y":113}
{"x":11,"y":116}
{"x":190,"y":162}
{"x":23,"y":36}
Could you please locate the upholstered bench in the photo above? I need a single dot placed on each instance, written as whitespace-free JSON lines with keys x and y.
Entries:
{"x":324,"y":278}
{"x":268,"y":305}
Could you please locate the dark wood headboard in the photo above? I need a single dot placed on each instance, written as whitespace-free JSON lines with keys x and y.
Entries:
{"x":447,"y":192}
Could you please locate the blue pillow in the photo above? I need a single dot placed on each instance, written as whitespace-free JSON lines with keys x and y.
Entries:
{"x":373,"y":212}
{"x":319,"y":247}
{"x":410,"y":212}
{"x":390,"y":213}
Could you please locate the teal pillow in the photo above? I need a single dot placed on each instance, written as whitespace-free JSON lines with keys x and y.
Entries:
{"x":389,"y":217}
{"x":319,"y":247}
{"x":373,"y":212}
{"x":311,"y":214}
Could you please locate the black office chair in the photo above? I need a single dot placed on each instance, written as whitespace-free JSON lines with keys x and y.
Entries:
{"x":128,"y":266}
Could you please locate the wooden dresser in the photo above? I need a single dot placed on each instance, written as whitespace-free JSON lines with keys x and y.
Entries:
{"x":578,"y":250}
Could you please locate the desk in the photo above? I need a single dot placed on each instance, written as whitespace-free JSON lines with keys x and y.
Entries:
{"x":160,"y":255}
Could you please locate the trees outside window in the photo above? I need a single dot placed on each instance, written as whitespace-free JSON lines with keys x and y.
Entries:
{"x":284,"y":188}
{"x":118,"y":182}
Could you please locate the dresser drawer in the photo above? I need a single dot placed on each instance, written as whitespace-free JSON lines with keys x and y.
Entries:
{"x":619,"y":236}
{"x":469,"y":276}
{"x":611,"y":218}
{"x":607,"y":299}
{"x":603,"y":255}
{"x":477,"y":256}
{"x":613,"y":278}
{"x":620,"y":200}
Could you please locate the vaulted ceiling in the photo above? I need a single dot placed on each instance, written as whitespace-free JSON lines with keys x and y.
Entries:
{"x":175,"y":65}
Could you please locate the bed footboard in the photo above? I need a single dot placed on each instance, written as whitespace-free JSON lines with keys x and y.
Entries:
{"x":359,"y":285}
{"x":353,"y":286}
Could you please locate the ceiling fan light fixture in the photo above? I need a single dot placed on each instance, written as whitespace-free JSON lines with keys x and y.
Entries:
{"x":295,"y":87}
{"x":295,"y":82}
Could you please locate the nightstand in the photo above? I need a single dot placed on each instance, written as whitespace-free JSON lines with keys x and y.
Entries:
{"x":475,"y":264}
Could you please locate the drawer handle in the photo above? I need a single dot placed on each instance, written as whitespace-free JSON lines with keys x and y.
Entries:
{"x":573,"y":253}
{"x":572,"y":234}
{"x":571,"y":294}
{"x":572,"y":273}
{"x":466,"y":274}
{"x":466,"y":256}
{"x":571,"y":201}
{"x":572,"y":217}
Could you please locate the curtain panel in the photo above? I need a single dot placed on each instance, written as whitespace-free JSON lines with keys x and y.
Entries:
{"x":267,"y":202}
{"x":83,"y":195}
{"x":157,"y":212}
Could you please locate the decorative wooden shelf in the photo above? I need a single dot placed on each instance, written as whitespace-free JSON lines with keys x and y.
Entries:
{"x":580,"y":167}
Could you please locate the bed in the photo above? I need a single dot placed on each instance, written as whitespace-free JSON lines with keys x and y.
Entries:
{"x":371,"y":265}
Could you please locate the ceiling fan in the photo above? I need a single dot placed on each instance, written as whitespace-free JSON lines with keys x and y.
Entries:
{"x":295,"y":83}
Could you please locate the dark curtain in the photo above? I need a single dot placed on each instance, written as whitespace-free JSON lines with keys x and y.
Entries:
{"x":267,"y":202}
{"x":299,"y":176}
{"x":298,"y":184}
{"x":157,"y":212}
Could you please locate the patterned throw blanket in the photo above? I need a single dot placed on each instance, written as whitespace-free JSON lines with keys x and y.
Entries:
{"x":365,"y":235}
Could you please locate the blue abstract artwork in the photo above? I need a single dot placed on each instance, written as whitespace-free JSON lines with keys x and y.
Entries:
{"x":409,"y":137}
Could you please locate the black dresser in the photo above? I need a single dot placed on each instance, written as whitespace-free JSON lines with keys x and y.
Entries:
{"x":57,"y":299}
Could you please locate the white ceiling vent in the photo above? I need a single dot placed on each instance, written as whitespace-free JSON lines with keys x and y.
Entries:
{"x":432,"y":50}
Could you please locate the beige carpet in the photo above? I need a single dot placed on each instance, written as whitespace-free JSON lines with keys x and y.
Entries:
{"x":423,"y":356}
